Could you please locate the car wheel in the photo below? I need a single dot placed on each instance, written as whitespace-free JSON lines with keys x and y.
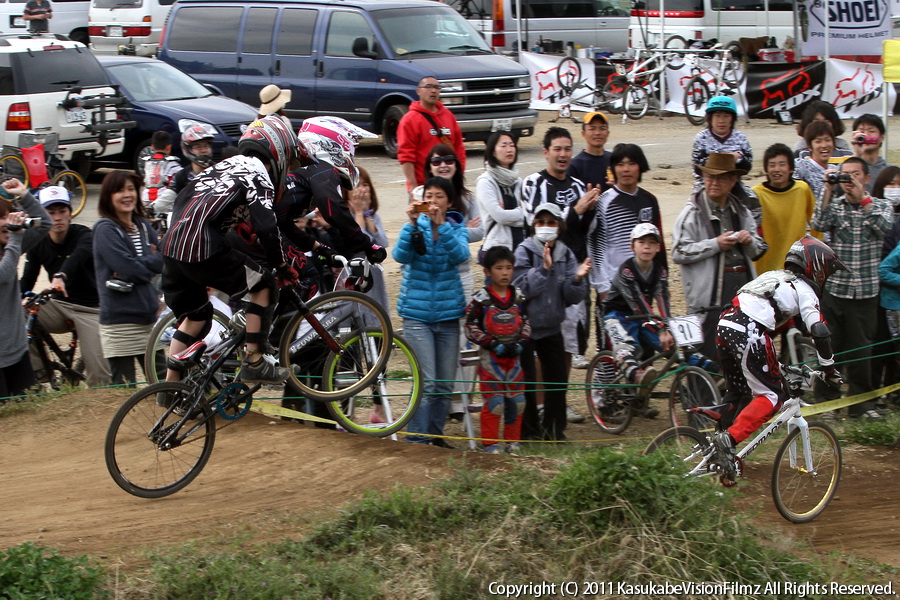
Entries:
{"x":143,"y":150}
{"x":389,"y":124}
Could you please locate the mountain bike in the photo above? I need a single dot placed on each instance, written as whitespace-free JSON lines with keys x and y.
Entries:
{"x":612,"y":400}
{"x":808,"y":463}
{"x":162,"y":436}
{"x":36,"y":163}
{"x":58,"y":366}
{"x":397,"y":387}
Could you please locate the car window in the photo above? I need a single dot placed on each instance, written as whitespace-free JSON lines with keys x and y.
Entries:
{"x":428,"y":30}
{"x":258,"y":31}
{"x":6,"y":81}
{"x":56,"y":70}
{"x":155,"y":81}
{"x":343,"y":29}
{"x":191,"y":33}
{"x":295,"y":31}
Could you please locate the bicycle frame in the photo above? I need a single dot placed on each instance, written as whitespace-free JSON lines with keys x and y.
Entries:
{"x":42,"y":340}
{"x":789,"y":413}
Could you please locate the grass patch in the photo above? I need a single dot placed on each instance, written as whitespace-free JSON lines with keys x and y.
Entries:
{"x":874,"y":432}
{"x":31,"y":572}
{"x":606,"y":514}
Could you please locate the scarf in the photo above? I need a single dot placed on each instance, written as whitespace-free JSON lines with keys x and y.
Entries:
{"x":504,"y":177}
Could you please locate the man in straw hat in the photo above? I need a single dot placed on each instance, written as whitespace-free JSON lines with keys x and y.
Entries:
{"x":715,"y":242}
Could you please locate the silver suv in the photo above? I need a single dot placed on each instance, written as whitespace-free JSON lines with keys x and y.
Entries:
{"x":50,"y":84}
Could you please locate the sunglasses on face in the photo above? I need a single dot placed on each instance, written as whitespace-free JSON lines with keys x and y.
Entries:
{"x":447,"y":160}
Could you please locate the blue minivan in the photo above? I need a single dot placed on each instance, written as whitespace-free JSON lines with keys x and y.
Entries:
{"x":356,"y":59}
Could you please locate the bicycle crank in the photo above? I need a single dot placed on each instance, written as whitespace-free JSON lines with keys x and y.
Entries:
{"x":229,"y":400}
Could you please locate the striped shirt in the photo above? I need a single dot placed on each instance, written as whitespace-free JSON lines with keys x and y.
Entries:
{"x":542,"y":187}
{"x":609,"y":234}
{"x":232,"y":192}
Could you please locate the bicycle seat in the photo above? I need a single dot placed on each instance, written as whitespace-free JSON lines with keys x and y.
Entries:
{"x":712,"y":412}
{"x":187,"y":358}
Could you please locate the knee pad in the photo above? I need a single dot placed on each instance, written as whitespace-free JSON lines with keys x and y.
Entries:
{"x":520,"y":404}
{"x":495,"y":404}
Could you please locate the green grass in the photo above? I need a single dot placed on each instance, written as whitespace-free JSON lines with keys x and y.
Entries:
{"x":873,"y":432}
{"x":602,"y":514}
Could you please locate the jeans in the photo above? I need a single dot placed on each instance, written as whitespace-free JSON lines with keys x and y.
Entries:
{"x":437,"y":348}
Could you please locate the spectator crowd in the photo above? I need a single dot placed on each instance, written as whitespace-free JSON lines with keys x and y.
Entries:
{"x":520,"y":265}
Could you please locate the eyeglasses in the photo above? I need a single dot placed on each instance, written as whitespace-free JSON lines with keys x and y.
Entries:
{"x":431,"y":86}
{"x":447,"y":160}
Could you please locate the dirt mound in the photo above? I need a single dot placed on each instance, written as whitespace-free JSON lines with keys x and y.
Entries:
{"x":266,"y":476}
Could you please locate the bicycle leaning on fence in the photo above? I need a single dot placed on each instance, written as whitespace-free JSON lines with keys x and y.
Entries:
{"x":162,"y":436}
{"x":808,"y":463}
{"x":612,"y":400}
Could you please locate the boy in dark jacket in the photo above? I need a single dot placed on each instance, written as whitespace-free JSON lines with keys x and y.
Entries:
{"x":639,"y":283}
{"x":551,"y":278}
{"x":495,"y":320}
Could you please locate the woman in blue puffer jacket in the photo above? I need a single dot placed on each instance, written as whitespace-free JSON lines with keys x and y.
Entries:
{"x":431,"y":245}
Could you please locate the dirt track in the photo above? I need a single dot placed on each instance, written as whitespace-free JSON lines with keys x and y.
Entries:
{"x":266,"y":477}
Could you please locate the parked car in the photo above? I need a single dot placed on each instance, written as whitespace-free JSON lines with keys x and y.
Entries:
{"x":132,"y":25}
{"x":164,"y":98}
{"x":356,"y":59}
{"x":50,"y":84}
{"x":70,"y":18}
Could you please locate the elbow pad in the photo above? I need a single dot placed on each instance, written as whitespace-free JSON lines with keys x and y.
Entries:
{"x":821,"y":336}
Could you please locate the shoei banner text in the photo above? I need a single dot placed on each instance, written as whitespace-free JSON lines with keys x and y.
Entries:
{"x":855,"y":27}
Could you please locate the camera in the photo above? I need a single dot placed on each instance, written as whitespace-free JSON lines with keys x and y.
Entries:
{"x":118,"y":285}
{"x":421,"y":206}
{"x":865,"y":139}
{"x":26,"y":224}
{"x":833,"y":178}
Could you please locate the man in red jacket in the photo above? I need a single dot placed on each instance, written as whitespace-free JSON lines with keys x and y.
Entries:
{"x":427,"y":124}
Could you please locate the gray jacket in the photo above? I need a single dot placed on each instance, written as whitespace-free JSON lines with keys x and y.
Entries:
{"x":14,"y":342}
{"x":547,"y":293}
{"x":694,"y":247}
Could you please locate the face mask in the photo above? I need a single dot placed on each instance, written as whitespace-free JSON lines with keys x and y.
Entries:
{"x":892,"y":194}
{"x":546,"y":234}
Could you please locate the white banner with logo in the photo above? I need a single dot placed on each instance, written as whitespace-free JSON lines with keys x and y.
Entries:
{"x":545,"y":89}
{"x":677,"y":80}
{"x":855,"y":27}
{"x":855,"y":88}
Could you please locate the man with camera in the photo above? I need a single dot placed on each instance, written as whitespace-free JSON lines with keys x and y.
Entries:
{"x":857,"y":223}
{"x":866,"y":139}
{"x":715,"y":241}
{"x":67,"y":256}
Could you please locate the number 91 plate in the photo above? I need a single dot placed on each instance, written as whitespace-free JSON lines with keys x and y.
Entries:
{"x":687,"y":330}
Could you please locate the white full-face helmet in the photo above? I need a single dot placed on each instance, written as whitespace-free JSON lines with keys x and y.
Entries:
{"x":333,"y":140}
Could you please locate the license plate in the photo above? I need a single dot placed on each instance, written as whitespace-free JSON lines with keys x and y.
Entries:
{"x":114,"y":31}
{"x":18,"y":22}
{"x":502,"y":125}
{"x":76,"y":115}
{"x":687,"y":331}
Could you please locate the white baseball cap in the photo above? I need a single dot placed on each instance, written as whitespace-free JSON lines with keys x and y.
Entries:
{"x":54,"y":194}
{"x":642,"y":229}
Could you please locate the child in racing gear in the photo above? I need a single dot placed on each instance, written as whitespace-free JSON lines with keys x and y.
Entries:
{"x":639,"y":282}
{"x":743,"y":338}
{"x":495,"y":320}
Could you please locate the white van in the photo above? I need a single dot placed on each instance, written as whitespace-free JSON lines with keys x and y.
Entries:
{"x":725,"y":20}
{"x":601,"y":24}
{"x":70,"y":18}
{"x":134,"y":24}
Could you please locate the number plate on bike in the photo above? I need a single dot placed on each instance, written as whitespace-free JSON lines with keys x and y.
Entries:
{"x":76,"y":115}
{"x":687,"y":330}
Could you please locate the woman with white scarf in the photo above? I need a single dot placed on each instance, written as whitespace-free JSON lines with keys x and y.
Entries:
{"x":499,"y":195}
